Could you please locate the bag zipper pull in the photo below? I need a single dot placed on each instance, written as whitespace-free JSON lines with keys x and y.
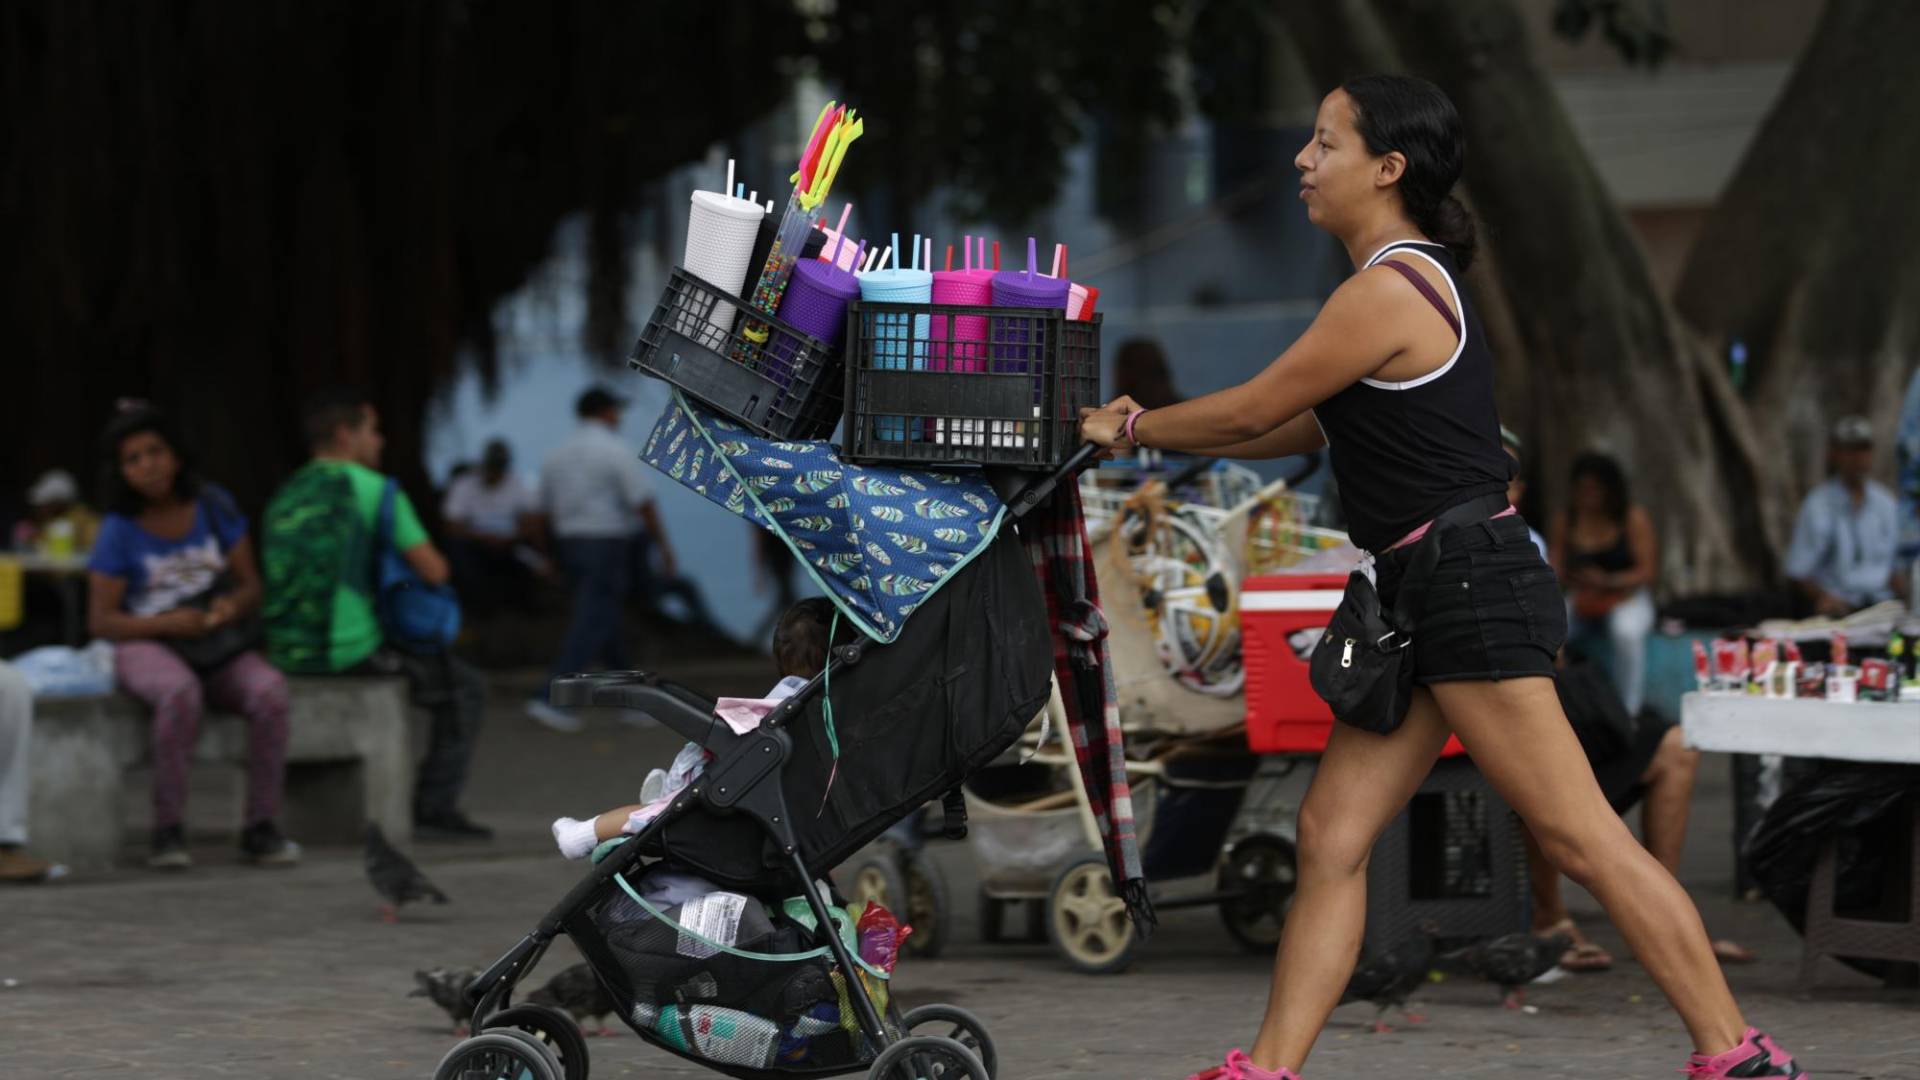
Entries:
{"x":1346,"y":655}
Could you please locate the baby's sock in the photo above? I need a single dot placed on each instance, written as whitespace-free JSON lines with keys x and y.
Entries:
{"x":576,"y":838}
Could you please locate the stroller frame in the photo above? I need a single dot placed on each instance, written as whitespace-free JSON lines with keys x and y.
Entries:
{"x":743,"y":778}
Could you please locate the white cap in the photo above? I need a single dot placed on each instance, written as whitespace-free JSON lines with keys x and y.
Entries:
{"x":55,"y":485}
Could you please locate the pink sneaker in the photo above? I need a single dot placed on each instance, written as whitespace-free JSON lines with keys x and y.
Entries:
{"x":1239,"y":1067}
{"x":1757,"y":1055}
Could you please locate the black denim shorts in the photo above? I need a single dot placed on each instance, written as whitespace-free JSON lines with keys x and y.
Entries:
{"x":1493,"y":606}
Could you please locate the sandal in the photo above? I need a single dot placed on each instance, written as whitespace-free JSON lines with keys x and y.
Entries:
{"x":1584,"y":955}
{"x":1732,"y":952}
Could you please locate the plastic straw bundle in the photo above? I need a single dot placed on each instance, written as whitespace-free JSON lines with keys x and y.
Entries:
{"x":833,"y":132}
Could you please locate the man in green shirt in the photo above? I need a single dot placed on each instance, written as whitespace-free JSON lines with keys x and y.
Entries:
{"x":319,"y":553}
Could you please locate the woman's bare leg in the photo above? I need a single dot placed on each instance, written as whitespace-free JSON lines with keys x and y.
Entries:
{"x":1669,"y":780}
{"x":1362,"y":782}
{"x":1523,"y":745}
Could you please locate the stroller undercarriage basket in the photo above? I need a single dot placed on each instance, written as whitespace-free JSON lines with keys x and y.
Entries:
{"x":728,"y":979}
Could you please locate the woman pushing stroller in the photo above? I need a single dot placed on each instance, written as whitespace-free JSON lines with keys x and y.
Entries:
{"x":1395,"y":377}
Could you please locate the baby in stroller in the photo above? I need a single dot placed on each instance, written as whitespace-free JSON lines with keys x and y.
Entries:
{"x":801,"y":641}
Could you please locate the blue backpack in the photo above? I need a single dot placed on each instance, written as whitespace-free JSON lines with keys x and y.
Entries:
{"x":414,"y":616}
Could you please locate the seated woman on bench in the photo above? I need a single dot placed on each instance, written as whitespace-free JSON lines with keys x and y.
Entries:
{"x":174,"y":585}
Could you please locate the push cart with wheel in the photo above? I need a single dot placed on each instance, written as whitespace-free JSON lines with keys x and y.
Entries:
{"x":1207,"y":808}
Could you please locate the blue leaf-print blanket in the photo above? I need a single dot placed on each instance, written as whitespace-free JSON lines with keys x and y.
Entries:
{"x":879,"y":540}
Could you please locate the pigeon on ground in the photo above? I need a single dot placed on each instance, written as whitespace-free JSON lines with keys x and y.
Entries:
{"x":577,"y":992}
{"x":1389,"y":979}
{"x":1510,"y":962}
{"x":395,"y":877}
{"x":447,"y":987}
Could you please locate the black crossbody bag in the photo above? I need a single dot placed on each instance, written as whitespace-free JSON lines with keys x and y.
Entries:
{"x":1363,"y":665}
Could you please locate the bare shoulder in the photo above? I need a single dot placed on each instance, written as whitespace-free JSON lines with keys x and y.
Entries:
{"x":1378,"y":283}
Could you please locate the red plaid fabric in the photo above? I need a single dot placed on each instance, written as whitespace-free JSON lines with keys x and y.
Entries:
{"x":1055,"y":535}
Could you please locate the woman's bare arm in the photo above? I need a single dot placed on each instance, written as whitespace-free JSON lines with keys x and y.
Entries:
{"x":1300,"y":435}
{"x":1367,"y":322}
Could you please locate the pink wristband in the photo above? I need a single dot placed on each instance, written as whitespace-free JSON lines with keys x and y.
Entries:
{"x":1127,"y":428}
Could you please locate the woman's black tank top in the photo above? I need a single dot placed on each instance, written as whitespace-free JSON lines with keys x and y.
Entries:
{"x":1404,"y":453}
{"x":1613,"y":559}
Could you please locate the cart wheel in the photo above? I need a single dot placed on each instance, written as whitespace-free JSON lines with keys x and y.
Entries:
{"x":928,"y":910}
{"x":874,"y":877}
{"x":499,"y":1055}
{"x":959,"y":1025}
{"x":555,"y":1029}
{"x":927,"y":1057}
{"x":1264,"y":870}
{"x":1087,"y":920}
{"x":991,"y":913}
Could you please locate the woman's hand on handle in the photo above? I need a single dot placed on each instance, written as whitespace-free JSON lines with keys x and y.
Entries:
{"x":1105,"y":426}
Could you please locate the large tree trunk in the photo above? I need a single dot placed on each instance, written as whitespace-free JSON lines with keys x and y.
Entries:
{"x":1591,"y":356}
{"x":1810,"y":254}
{"x":224,"y":206}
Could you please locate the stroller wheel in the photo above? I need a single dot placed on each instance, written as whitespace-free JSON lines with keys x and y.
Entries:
{"x":927,"y":1057}
{"x":1262,"y":869}
{"x":928,"y":911}
{"x":499,"y":1055}
{"x":553,"y":1028}
{"x":1087,"y":920}
{"x":959,"y":1025}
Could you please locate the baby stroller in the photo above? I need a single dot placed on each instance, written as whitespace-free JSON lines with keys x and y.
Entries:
{"x":878,"y":733}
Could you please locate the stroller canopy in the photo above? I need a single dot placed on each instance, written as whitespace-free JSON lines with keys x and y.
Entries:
{"x":879,"y":541}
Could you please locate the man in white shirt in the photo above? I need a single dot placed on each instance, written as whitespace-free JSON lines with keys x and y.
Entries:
{"x":488,"y":514}
{"x":1842,"y":555}
{"x":594,"y":492}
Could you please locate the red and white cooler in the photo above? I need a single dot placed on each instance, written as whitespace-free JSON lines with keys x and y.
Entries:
{"x":1281,"y":620}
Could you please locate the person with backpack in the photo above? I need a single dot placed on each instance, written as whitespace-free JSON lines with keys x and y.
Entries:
{"x":173,"y":583}
{"x":349,"y":569}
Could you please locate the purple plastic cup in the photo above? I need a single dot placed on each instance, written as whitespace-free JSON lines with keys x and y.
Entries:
{"x":815,"y":304}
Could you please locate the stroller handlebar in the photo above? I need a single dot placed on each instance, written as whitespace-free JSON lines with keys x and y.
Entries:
{"x":1025,"y":499}
{"x":672,"y":705}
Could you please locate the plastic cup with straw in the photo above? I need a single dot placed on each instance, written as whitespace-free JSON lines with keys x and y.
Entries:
{"x":958,"y":343}
{"x":722,"y":232}
{"x":1017,"y":350}
{"x":898,"y":339}
{"x":844,"y":254}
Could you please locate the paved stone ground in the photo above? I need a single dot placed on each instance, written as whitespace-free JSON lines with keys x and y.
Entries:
{"x":233,"y":972}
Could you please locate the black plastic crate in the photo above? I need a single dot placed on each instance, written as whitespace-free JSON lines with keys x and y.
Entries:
{"x":1454,"y":857}
{"x":786,"y":387}
{"x":955,"y":384}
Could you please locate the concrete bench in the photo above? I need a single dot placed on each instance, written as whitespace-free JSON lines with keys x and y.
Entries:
{"x":349,"y":761}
